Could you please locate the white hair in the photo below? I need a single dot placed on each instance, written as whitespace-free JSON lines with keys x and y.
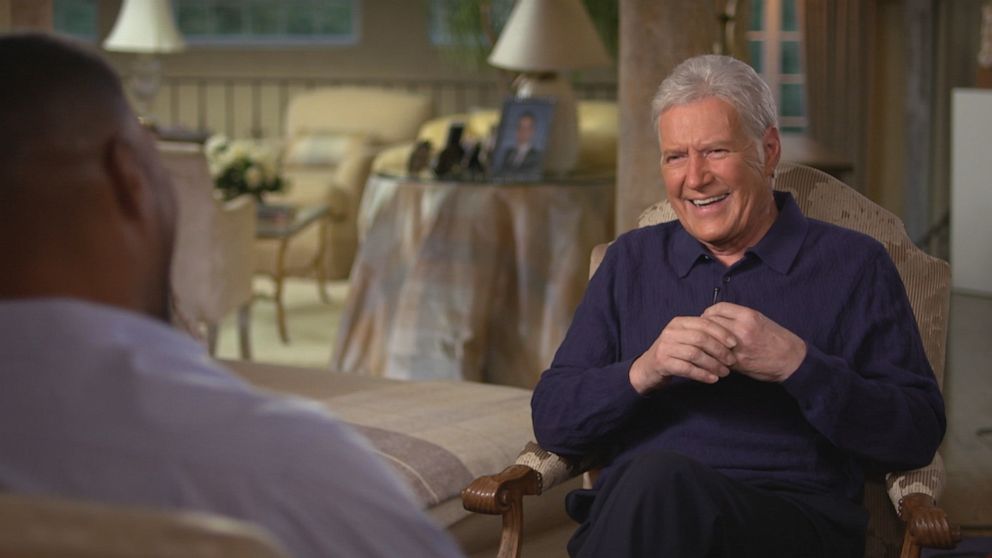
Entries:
{"x":729,"y":79}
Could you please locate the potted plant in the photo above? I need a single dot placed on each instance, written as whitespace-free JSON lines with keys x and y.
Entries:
{"x":241,"y":167}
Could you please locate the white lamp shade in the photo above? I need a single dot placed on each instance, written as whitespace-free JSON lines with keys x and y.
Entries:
{"x":145,"y":26}
{"x":547,"y":36}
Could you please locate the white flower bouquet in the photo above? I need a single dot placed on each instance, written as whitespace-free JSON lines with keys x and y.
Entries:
{"x":242,"y":167}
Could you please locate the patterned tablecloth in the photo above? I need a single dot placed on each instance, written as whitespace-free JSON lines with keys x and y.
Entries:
{"x":470,"y":281}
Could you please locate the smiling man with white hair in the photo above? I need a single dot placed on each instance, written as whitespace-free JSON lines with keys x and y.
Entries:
{"x":731,"y":368}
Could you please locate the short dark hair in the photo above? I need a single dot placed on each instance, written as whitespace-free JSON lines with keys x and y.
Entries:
{"x":56,"y":88}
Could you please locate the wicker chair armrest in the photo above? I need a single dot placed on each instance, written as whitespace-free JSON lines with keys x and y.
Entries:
{"x":503,"y":494}
{"x":553,"y":468}
{"x":495,"y":494}
{"x":534,"y":471}
{"x":927,"y":480}
{"x":926,"y":525}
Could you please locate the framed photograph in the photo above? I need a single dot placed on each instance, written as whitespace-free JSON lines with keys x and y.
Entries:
{"x":521,"y":140}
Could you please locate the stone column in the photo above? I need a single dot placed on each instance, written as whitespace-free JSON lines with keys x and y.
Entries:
{"x":655,"y":35}
{"x":29,"y":14}
{"x":4,"y":16}
{"x":919,"y":22}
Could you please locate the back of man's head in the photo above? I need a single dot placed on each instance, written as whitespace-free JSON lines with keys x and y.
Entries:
{"x":57,"y":95}
{"x":85,"y":210}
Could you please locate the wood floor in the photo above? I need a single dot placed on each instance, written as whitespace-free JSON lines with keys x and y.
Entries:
{"x":967,"y":448}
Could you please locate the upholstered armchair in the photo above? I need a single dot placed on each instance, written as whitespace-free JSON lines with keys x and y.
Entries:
{"x":212,"y":262}
{"x":909,"y":496}
{"x":48,"y":527}
{"x":332,"y":135}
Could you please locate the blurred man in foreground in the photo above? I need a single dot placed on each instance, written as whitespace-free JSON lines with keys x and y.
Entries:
{"x":101,"y":399}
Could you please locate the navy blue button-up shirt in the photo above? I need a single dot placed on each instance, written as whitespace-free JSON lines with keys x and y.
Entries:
{"x":865,"y":395}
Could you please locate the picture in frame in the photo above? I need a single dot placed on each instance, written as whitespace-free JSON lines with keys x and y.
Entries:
{"x":521,"y":139}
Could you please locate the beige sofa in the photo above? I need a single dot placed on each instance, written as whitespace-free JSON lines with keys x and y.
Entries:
{"x":332,"y":135}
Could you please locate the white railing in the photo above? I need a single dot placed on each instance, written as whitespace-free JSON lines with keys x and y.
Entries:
{"x":254,"y":107}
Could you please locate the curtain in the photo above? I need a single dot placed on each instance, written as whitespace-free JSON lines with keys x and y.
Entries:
{"x":838,"y":49}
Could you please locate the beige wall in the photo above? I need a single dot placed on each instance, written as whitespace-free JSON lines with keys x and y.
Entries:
{"x":957,"y":26}
{"x":958,"y":41}
{"x":25,"y":14}
{"x":393,"y":42}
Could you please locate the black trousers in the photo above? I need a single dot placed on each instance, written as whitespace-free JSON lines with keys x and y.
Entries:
{"x":666,"y":505}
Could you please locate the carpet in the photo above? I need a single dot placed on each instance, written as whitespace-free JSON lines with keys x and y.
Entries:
{"x":311,"y":323}
{"x":974,"y":547}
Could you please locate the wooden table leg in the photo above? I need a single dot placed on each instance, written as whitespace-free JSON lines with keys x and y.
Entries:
{"x":319,"y":261}
{"x":244,"y":330}
{"x":277,"y":295}
{"x":317,"y":214}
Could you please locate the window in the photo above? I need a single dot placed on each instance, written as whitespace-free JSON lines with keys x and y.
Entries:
{"x":268,"y":21}
{"x":455,"y":21}
{"x":233,"y":21}
{"x":75,"y":18}
{"x":775,"y":49}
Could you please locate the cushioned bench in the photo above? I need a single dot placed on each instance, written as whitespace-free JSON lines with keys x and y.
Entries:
{"x":437,"y":435}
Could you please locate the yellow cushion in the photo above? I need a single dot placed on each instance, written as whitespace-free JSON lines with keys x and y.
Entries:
{"x":436,"y":130}
{"x":478,"y":125}
{"x":481,"y":123}
{"x":386,"y":116}
{"x":326,"y":149}
{"x":598,"y":125}
{"x":393,"y":160}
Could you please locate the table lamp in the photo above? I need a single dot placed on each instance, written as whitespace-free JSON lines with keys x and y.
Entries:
{"x":541,"y":39}
{"x":145,"y":27}
{"x":726,"y":17}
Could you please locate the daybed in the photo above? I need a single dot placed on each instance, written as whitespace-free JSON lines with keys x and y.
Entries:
{"x":438,"y":435}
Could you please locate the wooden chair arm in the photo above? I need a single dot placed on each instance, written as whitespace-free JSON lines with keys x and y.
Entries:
{"x":926,"y":525}
{"x":503,"y":494}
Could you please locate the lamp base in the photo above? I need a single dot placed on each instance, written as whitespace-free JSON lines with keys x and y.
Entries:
{"x":144,"y":83}
{"x":563,"y":138}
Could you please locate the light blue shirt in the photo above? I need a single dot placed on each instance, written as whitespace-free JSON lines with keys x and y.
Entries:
{"x":98,"y":403}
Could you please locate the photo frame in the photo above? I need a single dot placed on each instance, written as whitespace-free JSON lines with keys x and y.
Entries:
{"x":521,"y":140}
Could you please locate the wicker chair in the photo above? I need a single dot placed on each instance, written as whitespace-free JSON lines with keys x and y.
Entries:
{"x":212,"y":259}
{"x":905,"y":495}
{"x":332,"y":135}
